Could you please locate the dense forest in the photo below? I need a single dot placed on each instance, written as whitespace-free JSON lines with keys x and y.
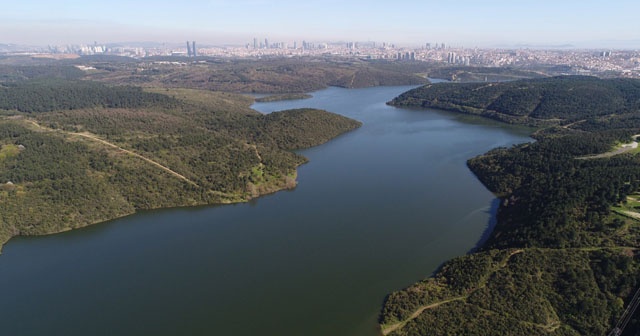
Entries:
{"x":563,"y":256}
{"x":73,"y":153}
{"x":45,"y":95}
{"x":536,"y":102}
{"x":10,"y":73}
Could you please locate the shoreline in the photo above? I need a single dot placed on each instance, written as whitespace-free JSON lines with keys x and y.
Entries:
{"x":246,"y":199}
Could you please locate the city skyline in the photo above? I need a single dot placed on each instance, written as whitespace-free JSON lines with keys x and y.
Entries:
{"x":462,"y":23}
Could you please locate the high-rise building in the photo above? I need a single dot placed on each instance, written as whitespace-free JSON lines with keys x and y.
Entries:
{"x":188,"y":49}
{"x":193,"y":47}
{"x":266,"y":43}
{"x":255,"y":43}
{"x":451,"y":58}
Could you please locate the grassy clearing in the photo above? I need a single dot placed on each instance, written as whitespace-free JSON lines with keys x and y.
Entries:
{"x":7,"y":151}
{"x":220,"y":101}
{"x":631,"y":208}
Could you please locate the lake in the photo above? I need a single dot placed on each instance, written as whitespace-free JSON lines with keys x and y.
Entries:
{"x":375,"y":210}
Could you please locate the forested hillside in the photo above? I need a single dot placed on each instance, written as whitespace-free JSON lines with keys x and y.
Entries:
{"x":73,"y":153}
{"x":10,"y":73}
{"x":538,"y":102}
{"x":563,"y":257}
{"x":45,"y":95}
{"x":464,"y":74}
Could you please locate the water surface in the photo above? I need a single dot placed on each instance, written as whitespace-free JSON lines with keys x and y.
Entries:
{"x":375,"y":210}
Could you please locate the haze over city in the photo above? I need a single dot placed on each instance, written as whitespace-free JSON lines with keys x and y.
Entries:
{"x":580,"y":24}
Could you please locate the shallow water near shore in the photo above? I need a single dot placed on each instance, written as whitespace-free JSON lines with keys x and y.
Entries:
{"x":375,"y":210}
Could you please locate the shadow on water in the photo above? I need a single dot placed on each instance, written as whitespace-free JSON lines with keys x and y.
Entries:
{"x":492,"y":211}
{"x":493,"y":220}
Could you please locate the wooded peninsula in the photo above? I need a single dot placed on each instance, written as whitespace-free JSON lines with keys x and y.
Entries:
{"x":563,"y":257}
{"x":79,"y":147}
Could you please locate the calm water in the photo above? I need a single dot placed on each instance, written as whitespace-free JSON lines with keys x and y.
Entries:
{"x":375,"y":210}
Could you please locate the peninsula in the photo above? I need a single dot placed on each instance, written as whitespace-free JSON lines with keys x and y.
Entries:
{"x":76,"y":152}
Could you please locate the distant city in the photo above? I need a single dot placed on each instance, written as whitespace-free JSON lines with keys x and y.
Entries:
{"x":622,"y":63}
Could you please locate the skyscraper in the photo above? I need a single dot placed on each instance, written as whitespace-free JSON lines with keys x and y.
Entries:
{"x":193,"y":46}
{"x":188,"y":49}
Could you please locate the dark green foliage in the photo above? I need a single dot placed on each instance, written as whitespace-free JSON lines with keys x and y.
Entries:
{"x":458,"y":319}
{"x":532,"y":101}
{"x":551,"y":198}
{"x":457,"y":277}
{"x":54,"y":94}
{"x":61,"y":179}
{"x":301,"y":128}
{"x":19,"y":73}
{"x":566,"y":263}
{"x":55,"y":188}
{"x":532,"y":291}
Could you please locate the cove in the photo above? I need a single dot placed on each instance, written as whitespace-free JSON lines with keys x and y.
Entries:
{"x":374,"y":211}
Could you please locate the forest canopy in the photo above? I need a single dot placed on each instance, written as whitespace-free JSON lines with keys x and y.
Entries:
{"x":537,"y":102}
{"x":563,"y":256}
{"x":74,"y":153}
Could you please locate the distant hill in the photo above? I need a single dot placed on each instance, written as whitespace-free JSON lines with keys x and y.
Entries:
{"x":294,"y":75}
{"x":465,"y":74}
{"x":536,"y":102}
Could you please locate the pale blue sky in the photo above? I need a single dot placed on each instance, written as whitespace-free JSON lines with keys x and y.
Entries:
{"x":457,"y":22}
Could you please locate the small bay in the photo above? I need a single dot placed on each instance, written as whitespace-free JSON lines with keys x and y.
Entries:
{"x":375,"y":210}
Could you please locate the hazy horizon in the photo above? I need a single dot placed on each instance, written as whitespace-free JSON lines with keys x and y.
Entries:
{"x":492,"y":23}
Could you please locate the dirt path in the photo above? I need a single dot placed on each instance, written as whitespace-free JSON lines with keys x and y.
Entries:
{"x":623,"y":149}
{"x":393,"y":327}
{"x":389,"y":329}
{"x":631,"y":214}
{"x":104,"y":142}
{"x":483,"y":87}
{"x":573,"y":123}
{"x":168,"y":170}
{"x":353,"y":79}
